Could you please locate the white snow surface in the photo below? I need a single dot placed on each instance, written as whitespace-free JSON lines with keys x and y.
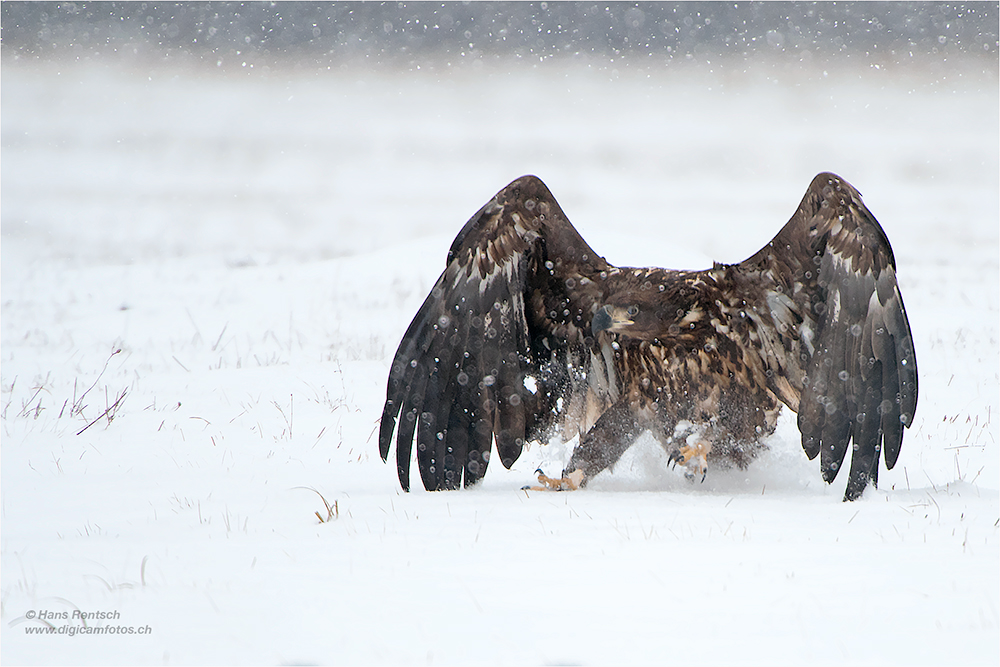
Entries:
{"x":239,"y":256}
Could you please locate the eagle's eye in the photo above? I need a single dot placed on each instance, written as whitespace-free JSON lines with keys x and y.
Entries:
{"x":632,"y":311}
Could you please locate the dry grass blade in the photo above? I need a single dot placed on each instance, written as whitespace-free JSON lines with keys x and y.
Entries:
{"x":332,"y":511}
{"x":109,"y":412}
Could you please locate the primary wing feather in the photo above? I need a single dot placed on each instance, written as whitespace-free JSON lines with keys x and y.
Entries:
{"x":833,"y":331}
{"x":457,"y":382}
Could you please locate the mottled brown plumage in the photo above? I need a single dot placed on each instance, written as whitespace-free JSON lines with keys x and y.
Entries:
{"x":528,"y":329}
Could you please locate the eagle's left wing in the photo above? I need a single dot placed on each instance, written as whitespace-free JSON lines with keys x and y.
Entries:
{"x":832,"y":332}
{"x":515,"y":299}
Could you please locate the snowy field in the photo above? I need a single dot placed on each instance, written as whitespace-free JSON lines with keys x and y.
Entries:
{"x":204,"y":278}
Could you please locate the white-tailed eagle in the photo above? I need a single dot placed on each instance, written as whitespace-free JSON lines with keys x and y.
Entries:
{"x":528,"y":329}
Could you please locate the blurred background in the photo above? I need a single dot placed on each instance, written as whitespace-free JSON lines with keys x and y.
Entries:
{"x":422,"y":33}
{"x":268,"y":131}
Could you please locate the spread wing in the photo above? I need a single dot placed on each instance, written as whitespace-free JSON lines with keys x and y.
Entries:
{"x":832,"y":331}
{"x":514,"y":302}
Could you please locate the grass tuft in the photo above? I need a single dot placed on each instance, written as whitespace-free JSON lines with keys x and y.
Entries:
{"x":332,"y":511}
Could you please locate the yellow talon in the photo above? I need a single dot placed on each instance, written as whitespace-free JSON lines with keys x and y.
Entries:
{"x":694,"y":457}
{"x":570,"y":482}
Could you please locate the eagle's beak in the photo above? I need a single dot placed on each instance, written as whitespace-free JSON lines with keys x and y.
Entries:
{"x":609,"y":317}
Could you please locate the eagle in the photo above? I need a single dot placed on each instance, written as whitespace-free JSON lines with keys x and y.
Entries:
{"x":528,"y":331}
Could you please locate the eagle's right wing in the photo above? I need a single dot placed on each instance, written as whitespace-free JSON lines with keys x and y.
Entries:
{"x":517,"y":294}
{"x":833,"y":332}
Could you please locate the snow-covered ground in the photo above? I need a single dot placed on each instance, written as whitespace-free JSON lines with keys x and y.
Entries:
{"x":204,"y":277}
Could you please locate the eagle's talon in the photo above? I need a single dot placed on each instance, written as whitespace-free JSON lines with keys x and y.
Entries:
{"x":694,"y":457}
{"x":568,"y":482}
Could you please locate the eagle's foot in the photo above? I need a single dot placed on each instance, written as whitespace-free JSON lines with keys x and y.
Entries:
{"x":694,"y":457}
{"x":570,"y":482}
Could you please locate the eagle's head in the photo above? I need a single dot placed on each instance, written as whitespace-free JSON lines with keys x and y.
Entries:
{"x":644,"y":317}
